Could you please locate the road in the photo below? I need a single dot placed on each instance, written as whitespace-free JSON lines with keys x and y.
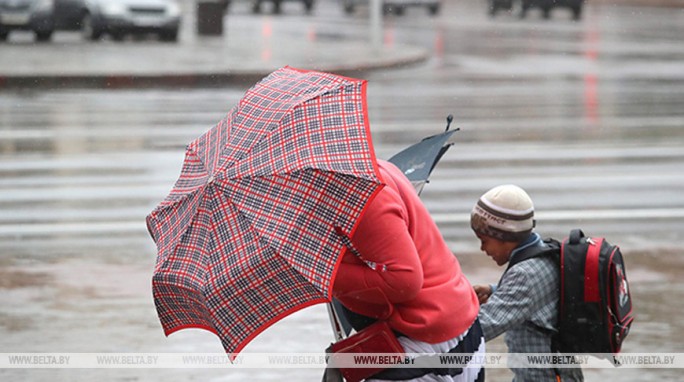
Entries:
{"x":587,"y":116}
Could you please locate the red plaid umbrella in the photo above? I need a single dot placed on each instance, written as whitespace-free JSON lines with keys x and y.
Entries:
{"x":248,"y":234}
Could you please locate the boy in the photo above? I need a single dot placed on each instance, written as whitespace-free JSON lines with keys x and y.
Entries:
{"x":524,"y":304}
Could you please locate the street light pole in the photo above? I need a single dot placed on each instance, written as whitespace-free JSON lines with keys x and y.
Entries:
{"x":376,"y":24}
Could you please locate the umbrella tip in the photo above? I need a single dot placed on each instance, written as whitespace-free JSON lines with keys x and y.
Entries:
{"x":449,"y":119}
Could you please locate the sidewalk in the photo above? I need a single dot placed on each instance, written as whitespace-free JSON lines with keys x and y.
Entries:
{"x":248,"y":50}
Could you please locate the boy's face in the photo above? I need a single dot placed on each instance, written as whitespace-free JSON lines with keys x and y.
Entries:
{"x":497,"y":249}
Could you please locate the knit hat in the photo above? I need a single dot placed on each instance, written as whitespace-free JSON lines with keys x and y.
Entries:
{"x":505,"y":213}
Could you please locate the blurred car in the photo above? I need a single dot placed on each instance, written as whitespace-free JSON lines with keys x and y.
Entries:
{"x":395,"y":6}
{"x":32,"y":15}
{"x":546,"y":6}
{"x":69,"y":14}
{"x":119,"y":18}
{"x":256,"y":5}
{"x":499,"y":5}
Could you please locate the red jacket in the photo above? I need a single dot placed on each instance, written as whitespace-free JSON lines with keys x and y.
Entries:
{"x":423,"y":293}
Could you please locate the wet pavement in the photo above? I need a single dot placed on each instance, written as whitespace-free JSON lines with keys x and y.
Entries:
{"x":249,"y":47}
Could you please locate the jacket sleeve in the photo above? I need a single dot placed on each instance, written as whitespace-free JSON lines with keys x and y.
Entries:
{"x":382,"y":237}
{"x":521,"y":292}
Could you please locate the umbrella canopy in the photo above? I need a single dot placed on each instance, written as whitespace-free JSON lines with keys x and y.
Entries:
{"x":248,"y":234}
{"x":418,"y":160}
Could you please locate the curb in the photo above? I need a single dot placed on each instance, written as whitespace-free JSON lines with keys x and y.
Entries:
{"x":246,"y":72}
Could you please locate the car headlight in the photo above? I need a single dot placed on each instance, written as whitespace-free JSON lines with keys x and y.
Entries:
{"x":113,"y":9}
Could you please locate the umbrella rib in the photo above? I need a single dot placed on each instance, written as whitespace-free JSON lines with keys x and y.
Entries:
{"x":295,"y":102}
{"x":268,"y":243}
{"x":250,"y":215}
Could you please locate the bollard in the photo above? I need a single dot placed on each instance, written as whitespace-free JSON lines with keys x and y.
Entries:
{"x":210,"y":17}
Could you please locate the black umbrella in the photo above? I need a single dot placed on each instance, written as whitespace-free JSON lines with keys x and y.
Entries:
{"x":418,"y":160}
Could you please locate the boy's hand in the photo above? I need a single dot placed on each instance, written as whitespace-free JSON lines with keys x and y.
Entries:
{"x":483,"y":292}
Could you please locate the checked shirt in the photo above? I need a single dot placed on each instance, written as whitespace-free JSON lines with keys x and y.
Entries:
{"x":524,"y":305}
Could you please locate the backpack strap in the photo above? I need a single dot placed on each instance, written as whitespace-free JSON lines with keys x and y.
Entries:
{"x":552,"y":248}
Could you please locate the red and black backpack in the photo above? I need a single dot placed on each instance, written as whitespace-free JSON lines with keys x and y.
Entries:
{"x":595,"y":308}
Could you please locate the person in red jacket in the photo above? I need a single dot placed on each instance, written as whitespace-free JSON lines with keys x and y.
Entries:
{"x":416,"y":283}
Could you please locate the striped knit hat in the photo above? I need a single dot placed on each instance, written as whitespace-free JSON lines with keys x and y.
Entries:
{"x":505,"y":213}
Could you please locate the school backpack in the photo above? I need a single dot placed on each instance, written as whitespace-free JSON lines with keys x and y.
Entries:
{"x":595,"y":309}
